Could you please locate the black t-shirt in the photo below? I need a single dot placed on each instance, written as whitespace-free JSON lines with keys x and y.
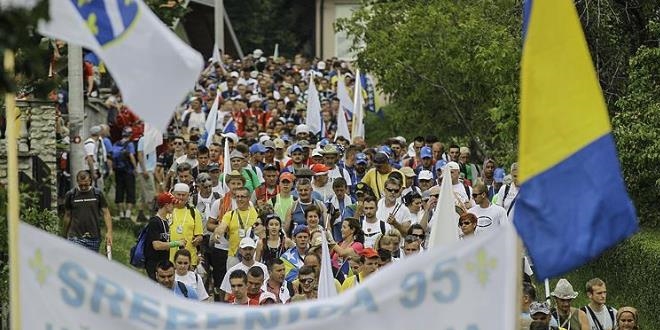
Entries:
{"x":165,"y":160}
{"x":157,"y":230}
{"x":86,"y":212}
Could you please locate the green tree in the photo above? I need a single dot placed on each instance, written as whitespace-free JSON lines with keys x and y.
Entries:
{"x":450,"y":67}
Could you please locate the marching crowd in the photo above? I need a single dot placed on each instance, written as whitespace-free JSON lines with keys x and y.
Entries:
{"x":245,"y":225}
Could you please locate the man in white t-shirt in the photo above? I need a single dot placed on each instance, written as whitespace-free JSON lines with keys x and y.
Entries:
{"x":330,"y":158}
{"x":371,"y":225}
{"x":600,"y":316}
{"x":246,"y":249}
{"x":507,"y":194}
{"x":95,"y":155}
{"x":489,"y":216}
{"x":391,"y":209}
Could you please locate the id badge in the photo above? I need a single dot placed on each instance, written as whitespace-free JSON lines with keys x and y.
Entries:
{"x":241,"y":233}
{"x":179,"y":229}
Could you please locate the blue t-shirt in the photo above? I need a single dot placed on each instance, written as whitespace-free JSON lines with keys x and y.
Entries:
{"x":192,"y":293}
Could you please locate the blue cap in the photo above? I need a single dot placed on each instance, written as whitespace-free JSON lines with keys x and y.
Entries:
{"x":257,"y":148}
{"x":361,"y":158}
{"x":440,"y":164}
{"x":498,"y":175}
{"x":387,"y":150}
{"x":300,"y":229}
{"x":295,"y":147}
{"x":426,"y":152}
{"x":323,"y":143}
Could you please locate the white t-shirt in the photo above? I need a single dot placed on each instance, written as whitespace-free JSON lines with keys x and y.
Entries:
{"x":194,"y":281}
{"x":214,"y":213}
{"x":383,"y":212}
{"x":371,"y":231}
{"x":91,"y":149}
{"x":204,"y":206}
{"x":416,"y":217}
{"x":326,"y":191}
{"x":489,"y":218}
{"x":226,"y":287}
{"x":197,"y":119}
{"x":334,"y":173}
{"x":603,"y":317}
{"x":506,"y":202}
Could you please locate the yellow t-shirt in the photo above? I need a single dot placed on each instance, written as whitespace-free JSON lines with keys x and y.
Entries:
{"x":351,"y":281}
{"x":376,"y":181}
{"x":184,"y":226}
{"x":233,"y":221}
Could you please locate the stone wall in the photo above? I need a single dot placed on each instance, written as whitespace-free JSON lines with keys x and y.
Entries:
{"x":36,"y":140}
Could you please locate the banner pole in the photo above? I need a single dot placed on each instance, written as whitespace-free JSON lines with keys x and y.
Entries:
{"x":13,"y":196}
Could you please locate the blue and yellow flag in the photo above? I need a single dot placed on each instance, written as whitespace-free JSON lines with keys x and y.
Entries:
{"x":573,"y":203}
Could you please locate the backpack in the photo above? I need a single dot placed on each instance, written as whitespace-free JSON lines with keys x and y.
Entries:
{"x":137,"y":258}
{"x":120,"y":155}
{"x":591,"y":313}
{"x":183,"y":288}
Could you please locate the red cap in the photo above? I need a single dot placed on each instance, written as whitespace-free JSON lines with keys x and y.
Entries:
{"x":165,"y":198}
{"x":287,"y":176}
{"x":369,"y":253}
{"x":320,"y":169}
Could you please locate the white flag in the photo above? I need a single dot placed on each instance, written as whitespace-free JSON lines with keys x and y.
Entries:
{"x":64,"y":286}
{"x":342,"y":125}
{"x":358,"y":108}
{"x":152,"y":138}
{"x":212,"y":120}
{"x":313,"y":116}
{"x":445,"y":219}
{"x":276,"y":53}
{"x":343,"y":96}
{"x":226,"y":165}
{"x":153,"y":68}
{"x":327,"y":287}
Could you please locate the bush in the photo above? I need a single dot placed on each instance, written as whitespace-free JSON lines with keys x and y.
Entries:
{"x":628,"y":270}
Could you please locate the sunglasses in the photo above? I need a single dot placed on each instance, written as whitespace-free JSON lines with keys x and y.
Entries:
{"x":465,"y":223}
{"x":306,"y":280}
{"x":476,"y":194}
{"x":240,"y":196}
{"x":392,"y":190}
{"x":177,"y":143}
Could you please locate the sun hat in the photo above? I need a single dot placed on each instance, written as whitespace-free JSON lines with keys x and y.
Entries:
{"x":564,"y":290}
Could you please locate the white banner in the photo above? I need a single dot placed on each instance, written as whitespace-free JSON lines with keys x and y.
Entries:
{"x":469,"y":285}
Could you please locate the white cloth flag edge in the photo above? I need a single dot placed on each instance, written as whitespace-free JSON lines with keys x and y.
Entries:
{"x":444,"y":219}
{"x":57,"y":269}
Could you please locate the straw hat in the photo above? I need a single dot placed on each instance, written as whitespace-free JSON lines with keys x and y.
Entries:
{"x":564,"y":290}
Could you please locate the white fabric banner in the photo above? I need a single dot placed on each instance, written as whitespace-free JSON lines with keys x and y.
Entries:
{"x":469,"y":285}
{"x":153,"y":68}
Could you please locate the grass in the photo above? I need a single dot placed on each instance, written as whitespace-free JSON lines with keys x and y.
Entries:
{"x":124,"y":237}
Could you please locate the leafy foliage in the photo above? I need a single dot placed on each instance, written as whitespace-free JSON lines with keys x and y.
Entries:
{"x":450,"y":67}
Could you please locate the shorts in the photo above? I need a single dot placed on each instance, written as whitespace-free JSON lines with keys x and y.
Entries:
{"x":124,"y":187}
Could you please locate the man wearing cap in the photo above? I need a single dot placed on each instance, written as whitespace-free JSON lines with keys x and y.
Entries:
{"x":246,"y":249}
{"x":95,"y":155}
{"x":427,"y":161}
{"x":158,"y":245}
{"x":264,"y":193}
{"x":425,"y":180}
{"x":361,"y":166}
{"x":294,"y":257}
{"x":376,"y":177}
{"x":302,"y":132}
{"x":269,"y":155}
{"x":540,"y":312}
{"x":321,"y":184}
{"x":569,"y":318}
{"x":489,"y":216}
{"x":124,"y":164}
{"x":186,"y":223}
{"x":411,"y":177}
{"x":280,"y":154}
{"x":283,"y":201}
{"x":297,"y":153}
{"x":251,"y":180}
{"x":330,"y":159}
{"x":369,"y":259}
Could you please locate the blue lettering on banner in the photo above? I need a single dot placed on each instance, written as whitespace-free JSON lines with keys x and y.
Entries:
{"x":363,"y":298}
{"x":95,"y":14}
{"x":218,"y":322}
{"x":178,"y":318}
{"x":322,"y":311}
{"x":294,"y":313}
{"x":144,"y":310}
{"x":259,"y":320}
{"x":414,"y":290}
{"x":443,"y":275}
{"x":111,"y":291}
{"x":70,"y":274}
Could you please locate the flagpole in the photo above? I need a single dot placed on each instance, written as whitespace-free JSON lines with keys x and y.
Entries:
{"x":356,"y":104}
{"x":13,"y":196}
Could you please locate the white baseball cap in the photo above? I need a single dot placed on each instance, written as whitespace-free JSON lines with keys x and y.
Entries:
{"x":425,"y":175}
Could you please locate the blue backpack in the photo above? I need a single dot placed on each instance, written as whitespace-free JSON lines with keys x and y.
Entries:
{"x":120,"y":156}
{"x":137,"y":251}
